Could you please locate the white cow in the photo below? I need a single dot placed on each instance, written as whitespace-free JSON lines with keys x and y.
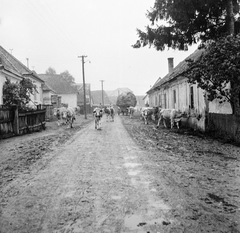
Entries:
{"x":146,"y":114}
{"x":97,"y":113}
{"x":173,"y":115}
{"x":131,"y":111}
{"x":58,"y":112}
{"x":69,"y":115}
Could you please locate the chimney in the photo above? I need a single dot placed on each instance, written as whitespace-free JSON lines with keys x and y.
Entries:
{"x":170,"y":64}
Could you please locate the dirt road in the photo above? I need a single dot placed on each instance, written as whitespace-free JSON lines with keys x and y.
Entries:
{"x":118,"y":180}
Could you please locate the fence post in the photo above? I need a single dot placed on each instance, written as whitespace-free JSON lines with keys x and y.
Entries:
{"x":16,"y":121}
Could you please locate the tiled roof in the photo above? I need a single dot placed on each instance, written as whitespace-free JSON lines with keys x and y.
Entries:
{"x":79,"y":87}
{"x":177,"y":71}
{"x":14,"y":65}
{"x":80,"y":96}
{"x":58,"y":84}
{"x":47,"y":88}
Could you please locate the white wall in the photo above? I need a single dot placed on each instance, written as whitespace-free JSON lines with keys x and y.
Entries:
{"x":223,"y":108}
{"x":70,"y":99}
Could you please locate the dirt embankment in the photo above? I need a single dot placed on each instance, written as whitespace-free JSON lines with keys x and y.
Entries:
{"x":203,"y":173}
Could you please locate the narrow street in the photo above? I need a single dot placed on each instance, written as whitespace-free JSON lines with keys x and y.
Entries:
{"x":121,"y":179}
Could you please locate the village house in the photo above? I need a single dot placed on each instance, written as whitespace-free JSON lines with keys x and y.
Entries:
{"x":173,"y":91}
{"x":57,"y":87}
{"x":80,"y":97}
{"x":12,"y":69}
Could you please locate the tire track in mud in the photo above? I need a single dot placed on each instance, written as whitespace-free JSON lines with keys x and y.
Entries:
{"x":94,"y":183}
{"x":202,"y":175}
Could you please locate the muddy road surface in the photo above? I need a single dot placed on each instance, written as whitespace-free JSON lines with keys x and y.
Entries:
{"x":126,"y":177}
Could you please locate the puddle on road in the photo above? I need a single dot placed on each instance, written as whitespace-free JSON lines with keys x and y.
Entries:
{"x":132,"y":165}
{"x":136,"y":222}
{"x":133,"y":173}
{"x":133,"y":221}
{"x":116,"y":197}
{"x":130,"y":157}
{"x":159,"y":205}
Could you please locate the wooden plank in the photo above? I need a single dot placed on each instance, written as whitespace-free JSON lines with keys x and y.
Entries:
{"x":32,"y":126}
{"x":21,"y":114}
{"x":5,"y":109}
{"x":6,"y":120}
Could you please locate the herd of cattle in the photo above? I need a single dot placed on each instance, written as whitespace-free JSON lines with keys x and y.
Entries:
{"x":159,"y":115}
{"x":68,"y":115}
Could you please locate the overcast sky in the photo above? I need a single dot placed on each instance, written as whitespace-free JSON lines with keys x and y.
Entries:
{"x":55,"y":32}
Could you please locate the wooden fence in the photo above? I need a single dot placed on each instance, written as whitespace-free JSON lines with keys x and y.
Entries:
{"x":227,"y":126}
{"x":6,"y":122}
{"x":14,"y":122}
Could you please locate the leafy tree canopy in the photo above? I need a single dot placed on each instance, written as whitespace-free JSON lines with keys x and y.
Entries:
{"x":126,"y":100}
{"x":18,"y":93}
{"x":187,"y":22}
{"x":68,"y":77}
{"x":50,"y":70}
{"x":217,"y":71}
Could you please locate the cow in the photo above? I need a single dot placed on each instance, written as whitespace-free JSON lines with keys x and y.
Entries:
{"x":109,"y":113}
{"x":146,"y":114}
{"x":112,"y":112}
{"x":118,"y":110}
{"x":69,"y":115}
{"x":77,"y":110}
{"x":173,"y":115}
{"x":58,"y":112}
{"x":97,"y":113}
{"x":131,"y":111}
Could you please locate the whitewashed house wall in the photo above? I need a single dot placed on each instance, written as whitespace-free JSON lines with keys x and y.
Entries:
{"x":70,"y":99}
{"x":174,"y":91}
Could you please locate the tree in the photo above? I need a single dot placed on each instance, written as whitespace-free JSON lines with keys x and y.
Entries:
{"x":50,"y":70}
{"x":187,"y":22}
{"x":18,"y":93}
{"x":68,"y":77}
{"x":217,"y":71}
{"x":126,"y":100}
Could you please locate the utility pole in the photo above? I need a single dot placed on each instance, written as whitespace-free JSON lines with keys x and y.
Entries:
{"x":84,"y":88}
{"x":27,"y":62}
{"x":102,"y":93}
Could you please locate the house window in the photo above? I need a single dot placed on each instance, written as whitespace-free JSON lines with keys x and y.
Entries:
{"x":159,"y":101}
{"x":174,"y":98}
{"x":191,"y":98}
